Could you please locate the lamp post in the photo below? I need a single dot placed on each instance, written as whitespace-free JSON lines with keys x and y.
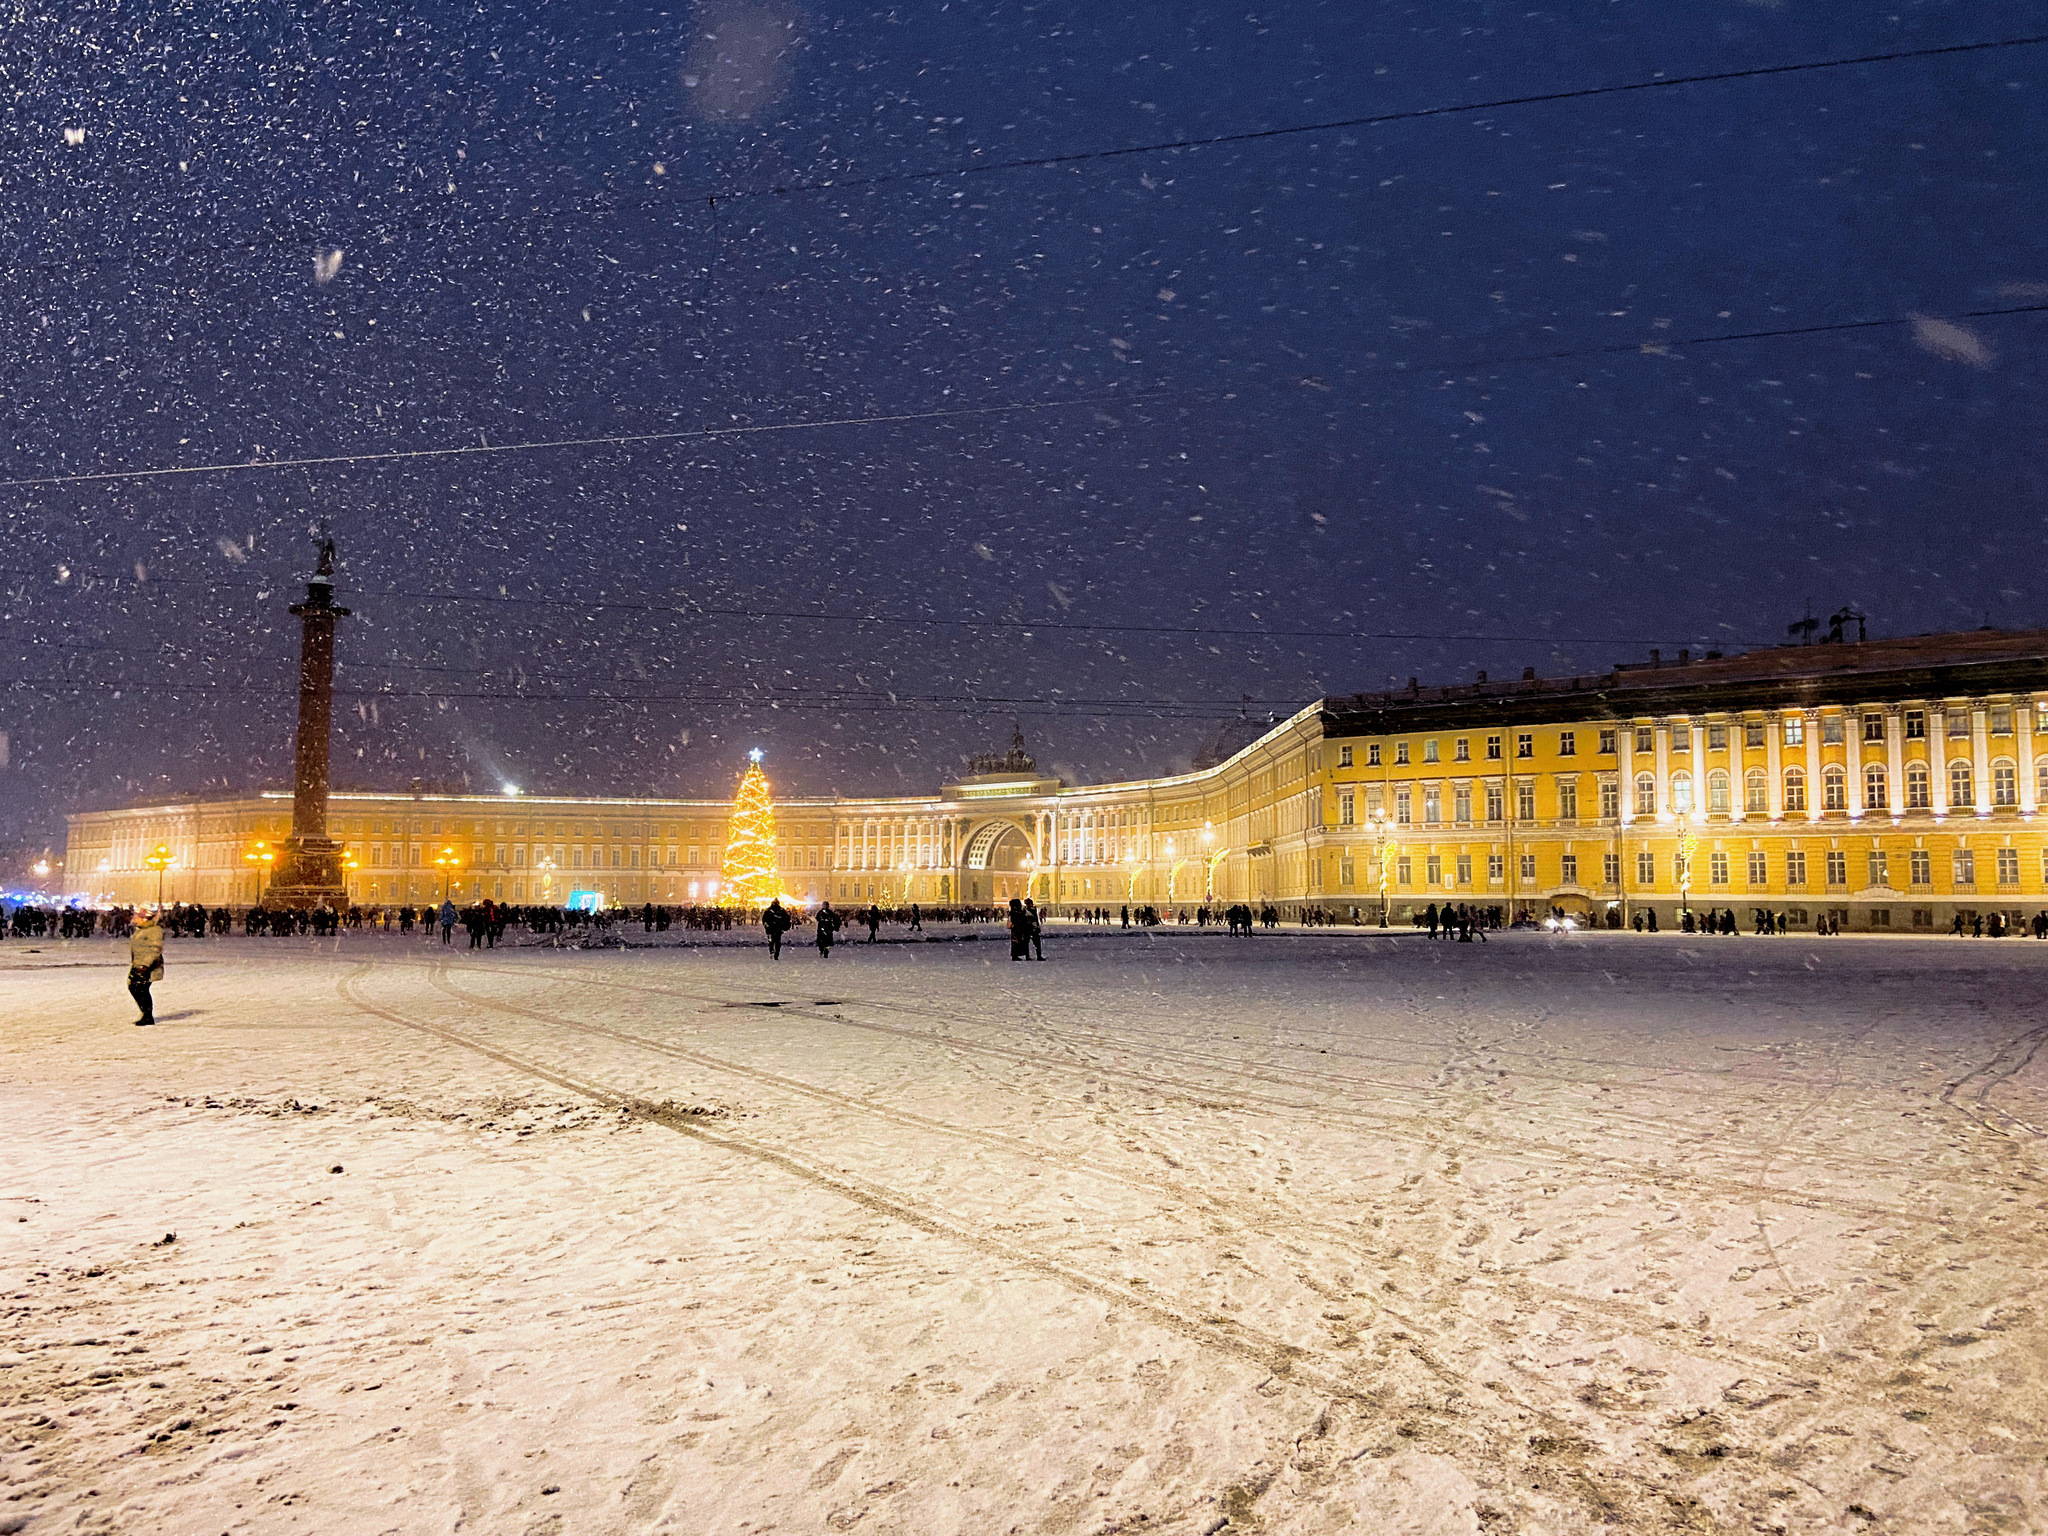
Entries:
{"x":1131,"y":862}
{"x":447,"y":863}
{"x":1688,"y":847}
{"x":159,"y":859}
{"x":350,"y":863}
{"x":1209,"y":863}
{"x":260,"y":854}
{"x":1379,"y":846}
{"x":547,"y":880}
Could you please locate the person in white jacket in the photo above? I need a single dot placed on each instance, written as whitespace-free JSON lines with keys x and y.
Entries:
{"x":145,"y":963}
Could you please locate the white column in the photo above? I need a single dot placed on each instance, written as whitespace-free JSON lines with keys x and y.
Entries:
{"x":1699,"y":765}
{"x":1895,"y":758}
{"x":1852,"y":724}
{"x":1937,"y":756}
{"x":1774,"y":763}
{"x":1625,"y":739}
{"x":1663,"y":770}
{"x":1813,"y":794}
{"x":2023,"y":738}
{"x":1980,"y":755}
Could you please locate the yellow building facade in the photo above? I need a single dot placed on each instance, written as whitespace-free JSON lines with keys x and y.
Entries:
{"x":1890,"y":785}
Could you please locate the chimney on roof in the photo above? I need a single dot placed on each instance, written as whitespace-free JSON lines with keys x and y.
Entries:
{"x":1528,"y":674}
{"x":1656,"y":658}
{"x":1415,"y":686}
{"x":1713,"y":655}
{"x":1482,"y":677}
{"x":1684,"y":657}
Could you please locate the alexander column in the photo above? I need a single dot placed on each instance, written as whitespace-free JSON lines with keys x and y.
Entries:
{"x":309,"y":865}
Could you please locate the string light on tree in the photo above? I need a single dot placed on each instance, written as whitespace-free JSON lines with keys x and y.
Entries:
{"x":749,"y":875}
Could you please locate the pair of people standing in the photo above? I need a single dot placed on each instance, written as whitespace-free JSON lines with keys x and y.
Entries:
{"x":1027,"y":937}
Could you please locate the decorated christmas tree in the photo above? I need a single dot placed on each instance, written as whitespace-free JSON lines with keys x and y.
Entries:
{"x":749,"y":878}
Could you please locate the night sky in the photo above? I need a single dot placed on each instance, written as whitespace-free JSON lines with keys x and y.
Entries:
{"x":1305,"y":382}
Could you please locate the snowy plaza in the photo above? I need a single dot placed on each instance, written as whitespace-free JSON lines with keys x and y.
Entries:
{"x":1173,"y":1233}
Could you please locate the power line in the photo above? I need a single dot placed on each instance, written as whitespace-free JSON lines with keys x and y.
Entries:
{"x":629,"y":439}
{"x":706,"y":198}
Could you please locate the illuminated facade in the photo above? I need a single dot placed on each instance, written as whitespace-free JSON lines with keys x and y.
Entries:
{"x":1891,"y":784}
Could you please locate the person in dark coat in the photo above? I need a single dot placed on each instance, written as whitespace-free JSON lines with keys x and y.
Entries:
{"x":1037,"y":928}
{"x":873,"y":919}
{"x":828,"y":930}
{"x":775,"y":923}
{"x":1020,"y":931}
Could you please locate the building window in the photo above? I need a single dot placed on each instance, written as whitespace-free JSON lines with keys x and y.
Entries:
{"x":1834,"y":788}
{"x":1795,"y":789}
{"x":1461,"y":802}
{"x":1493,"y":749}
{"x":1646,"y":739}
{"x":1880,"y":868}
{"x":1464,"y":869}
{"x":1717,"y":792}
{"x":1525,"y":744}
{"x":2008,"y":866}
{"x":1646,"y":869}
{"x":1525,"y":802}
{"x":1681,"y":737}
{"x":1681,"y":793}
{"x":1610,"y":868}
{"x":1347,"y":809}
{"x":1753,"y":733}
{"x":1610,"y":800}
{"x":1400,"y":754}
{"x":1402,"y":807}
{"x":1646,"y":794}
{"x":1920,"y":867}
{"x":1372,"y":754}
{"x":1568,"y":799}
{"x":1463,"y":750}
{"x":1529,"y":868}
{"x":1429,"y":750}
{"x":1496,"y":797}
{"x":1966,"y":867}
{"x":1717,"y":869}
{"x":1759,"y":871}
{"x":1343,"y":757}
{"x":1795,"y":868}
{"x":1404,"y":870}
{"x":1345,"y":871}
{"x":2001,"y":719}
{"x":1838,"y":867}
{"x":1434,"y":868}
{"x":1795,"y":730}
{"x":1607,"y":743}
{"x":1567,"y":743}
{"x":1495,"y":866}
{"x":1831,"y":730}
{"x":1432,"y":804}
{"x":1756,"y":792}
{"x":1873,"y":727}
{"x":1874,"y":797}
{"x":1918,"y":786}
{"x":1568,"y":869}
{"x":2005,"y":785}
{"x":1916,"y":725}
{"x":1958,"y":723}
{"x":1960,"y":796}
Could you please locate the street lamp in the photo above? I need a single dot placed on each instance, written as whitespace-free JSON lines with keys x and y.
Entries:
{"x":1379,"y":844}
{"x":1131,"y":860}
{"x":547,"y":880}
{"x":447,"y":863}
{"x":1688,"y":847}
{"x":159,"y":859}
{"x":260,"y":855}
{"x":351,"y":863}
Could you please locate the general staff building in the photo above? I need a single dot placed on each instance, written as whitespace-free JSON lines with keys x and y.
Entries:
{"x":1888,"y":784}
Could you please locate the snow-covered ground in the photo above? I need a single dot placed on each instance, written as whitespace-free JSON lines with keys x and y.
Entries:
{"x":1175,"y":1233}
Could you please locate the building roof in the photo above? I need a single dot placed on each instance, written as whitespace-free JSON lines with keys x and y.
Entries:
{"x":1779,"y":677}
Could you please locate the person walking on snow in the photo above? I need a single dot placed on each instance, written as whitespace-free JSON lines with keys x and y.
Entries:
{"x":775,"y":922}
{"x":448,"y":916}
{"x":1037,"y":929}
{"x":828,"y":930}
{"x":145,"y":963}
